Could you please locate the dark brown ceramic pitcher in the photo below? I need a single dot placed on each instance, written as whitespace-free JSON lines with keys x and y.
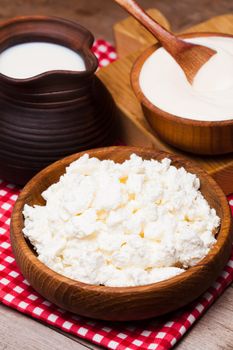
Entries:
{"x":55,"y":113}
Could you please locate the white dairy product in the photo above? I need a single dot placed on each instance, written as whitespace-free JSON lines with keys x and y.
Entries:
{"x":210,"y":97}
{"x":30,"y":59}
{"x":126,"y":224}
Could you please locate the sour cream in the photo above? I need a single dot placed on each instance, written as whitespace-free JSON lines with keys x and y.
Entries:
{"x":209,"y":98}
{"x":30,"y":59}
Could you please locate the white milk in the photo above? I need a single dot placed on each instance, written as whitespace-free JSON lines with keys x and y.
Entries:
{"x":27,"y":60}
{"x":210,"y":97}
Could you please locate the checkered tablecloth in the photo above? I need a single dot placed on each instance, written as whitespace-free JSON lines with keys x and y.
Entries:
{"x":159,"y":333}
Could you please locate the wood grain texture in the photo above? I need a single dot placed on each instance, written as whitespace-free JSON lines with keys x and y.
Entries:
{"x":53,"y":114}
{"x":130,"y":36}
{"x":194,"y":136}
{"x":27,"y":334}
{"x":214,"y":331}
{"x":190,"y":57}
{"x":123,"y":303}
{"x":136,"y":130}
{"x":100,"y":16}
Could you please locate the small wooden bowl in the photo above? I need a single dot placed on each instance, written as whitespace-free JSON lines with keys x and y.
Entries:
{"x":120,"y":303}
{"x":200,"y":137}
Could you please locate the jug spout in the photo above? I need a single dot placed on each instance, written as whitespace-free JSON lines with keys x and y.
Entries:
{"x":48,"y":30}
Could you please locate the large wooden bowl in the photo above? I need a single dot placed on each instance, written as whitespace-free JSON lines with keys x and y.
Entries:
{"x":199,"y":137}
{"x":120,"y":303}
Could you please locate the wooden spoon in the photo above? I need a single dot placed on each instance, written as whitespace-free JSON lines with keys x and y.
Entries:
{"x":190,"y":57}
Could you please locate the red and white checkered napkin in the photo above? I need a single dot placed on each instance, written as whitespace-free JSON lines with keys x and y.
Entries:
{"x":105,"y":52}
{"x":160,"y":333}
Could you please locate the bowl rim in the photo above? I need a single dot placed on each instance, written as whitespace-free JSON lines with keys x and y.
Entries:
{"x":134,"y":79}
{"x":223,"y":234}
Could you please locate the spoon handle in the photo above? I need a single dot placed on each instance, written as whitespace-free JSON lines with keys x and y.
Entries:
{"x":168,"y":40}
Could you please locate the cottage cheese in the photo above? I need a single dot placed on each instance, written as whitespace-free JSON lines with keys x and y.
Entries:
{"x":126,"y":224}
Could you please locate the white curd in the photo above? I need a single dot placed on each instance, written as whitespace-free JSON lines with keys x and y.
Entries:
{"x":30,"y":59}
{"x":127,"y":224}
{"x":210,"y":97}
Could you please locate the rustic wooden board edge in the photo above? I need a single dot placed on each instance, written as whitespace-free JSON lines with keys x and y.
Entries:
{"x":130,"y":35}
{"x":131,"y":32}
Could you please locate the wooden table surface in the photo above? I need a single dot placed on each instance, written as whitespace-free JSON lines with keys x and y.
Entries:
{"x":215,"y":329}
{"x":100,"y":15}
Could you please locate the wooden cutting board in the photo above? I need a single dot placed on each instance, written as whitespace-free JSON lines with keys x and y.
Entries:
{"x":134,"y":128}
